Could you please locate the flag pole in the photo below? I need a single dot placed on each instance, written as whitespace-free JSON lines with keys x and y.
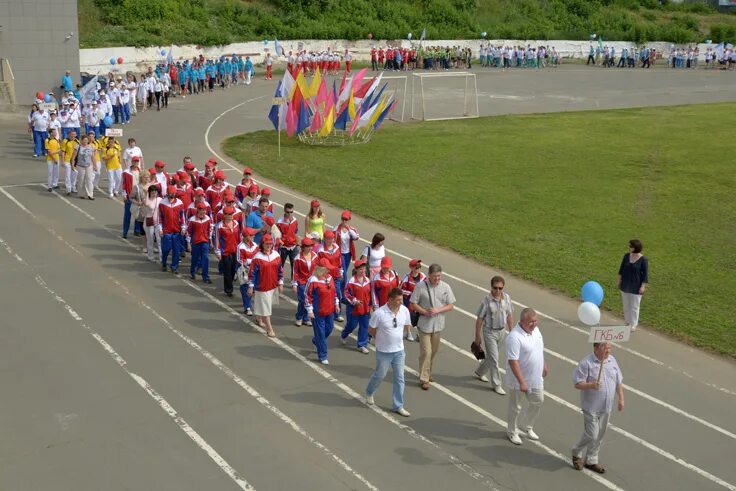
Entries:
{"x":279,"y":139}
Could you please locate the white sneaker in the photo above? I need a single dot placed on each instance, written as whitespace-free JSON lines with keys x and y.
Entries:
{"x":325,"y":362}
{"x":531,"y":435}
{"x":363,"y":350}
{"x":403,"y":412}
{"x":410,"y":337}
{"x":248,"y":312}
{"x":514,"y":439}
{"x":340,"y":318}
{"x":369,"y":400}
{"x":499,"y":390}
{"x":298,"y":322}
{"x":633,"y":328}
{"x":343,"y":340}
{"x":482,"y":378}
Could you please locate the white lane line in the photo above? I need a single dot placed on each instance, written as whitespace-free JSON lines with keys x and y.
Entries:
{"x":209,"y":356}
{"x":454,"y":460}
{"x":250,"y":390}
{"x":465,"y":282}
{"x":163,"y":403}
{"x":667,"y":455}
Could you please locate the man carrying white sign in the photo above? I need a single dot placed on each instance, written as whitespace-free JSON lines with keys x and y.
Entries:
{"x":597,"y":377}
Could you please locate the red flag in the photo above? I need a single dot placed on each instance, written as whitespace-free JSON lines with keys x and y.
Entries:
{"x":316,"y":123}
{"x":291,"y":120}
{"x":344,"y":82}
{"x":364,"y":88}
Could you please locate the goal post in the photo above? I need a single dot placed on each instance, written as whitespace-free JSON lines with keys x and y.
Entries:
{"x":440,"y":96}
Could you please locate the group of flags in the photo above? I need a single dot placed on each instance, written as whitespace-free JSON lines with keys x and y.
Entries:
{"x":314,"y":107}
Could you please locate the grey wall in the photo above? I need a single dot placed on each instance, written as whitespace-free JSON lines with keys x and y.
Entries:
{"x":33,"y":39}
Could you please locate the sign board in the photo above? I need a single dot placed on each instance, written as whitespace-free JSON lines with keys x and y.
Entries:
{"x":47,"y":106}
{"x":610,"y":334}
{"x":118,"y":132}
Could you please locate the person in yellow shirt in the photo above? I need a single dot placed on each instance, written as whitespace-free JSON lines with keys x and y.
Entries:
{"x":111,"y":157}
{"x":68,"y":145}
{"x":95,"y":144}
{"x":53,"y":156}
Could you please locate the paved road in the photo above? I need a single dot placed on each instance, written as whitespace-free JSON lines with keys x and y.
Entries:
{"x":118,"y":376}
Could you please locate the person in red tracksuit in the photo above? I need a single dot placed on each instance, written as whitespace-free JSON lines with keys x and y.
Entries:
{"x":205,"y":180}
{"x":242,"y":189}
{"x":215,"y":192}
{"x":130,"y":179}
{"x":198,"y":198}
{"x":229,"y":200}
{"x":227,"y":236}
{"x":408,"y":283}
{"x":304,"y":265}
{"x":322,"y":303}
{"x":289,"y":228}
{"x":382,"y":282}
{"x":171,"y":225}
{"x":266,"y":282}
{"x":358,"y":296}
{"x":185,"y":195}
{"x":199,"y":231}
{"x":331,"y":252}
{"x":247,"y":249}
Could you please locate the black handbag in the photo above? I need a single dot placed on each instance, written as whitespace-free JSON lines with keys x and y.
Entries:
{"x":477,"y":351}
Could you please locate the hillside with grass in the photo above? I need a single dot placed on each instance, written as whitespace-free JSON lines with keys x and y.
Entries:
{"x":216,"y":22}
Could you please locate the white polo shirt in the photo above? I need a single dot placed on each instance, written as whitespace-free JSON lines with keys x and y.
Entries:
{"x":390,"y":334}
{"x":528,"y":350}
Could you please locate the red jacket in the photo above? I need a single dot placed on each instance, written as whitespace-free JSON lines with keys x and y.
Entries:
{"x":303,"y":269}
{"x":185,"y":194}
{"x":199,"y":231}
{"x":192,"y":210}
{"x":127,"y":185}
{"x":353,"y":236}
{"x":321,"y":293}
{"x":227,"y":238}
{"x":289,"y":231}
{"x":266,"y":272}
{"x":246,"y":252}
{"x":408,"y":283}
{"x":171,"y":216}
{"x":335,"y":259}
{"x":213,"y":194}
{"x":381,"y":285}
{"x":356,"y":290}
{"x":206,"y":181}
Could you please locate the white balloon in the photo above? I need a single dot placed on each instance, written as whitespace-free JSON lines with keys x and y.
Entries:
{"x":100,"y":114}
{"x":589,"y":313}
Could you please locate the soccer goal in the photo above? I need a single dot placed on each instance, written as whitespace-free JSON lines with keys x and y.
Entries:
{"x":397,"y":85}
{"x":437,"y":96}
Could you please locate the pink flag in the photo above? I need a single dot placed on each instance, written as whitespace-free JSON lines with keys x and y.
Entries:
{"x":291,"y":120}
{"x":321,"y":94}
{"x":316,"y":122}
{"x":359,"y":78}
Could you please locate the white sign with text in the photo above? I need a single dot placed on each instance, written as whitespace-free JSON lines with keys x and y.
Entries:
{"x":611,"y":334}
{"x":117,"y":132}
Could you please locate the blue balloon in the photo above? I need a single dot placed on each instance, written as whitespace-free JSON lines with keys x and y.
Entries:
{"x":107,"y":120}
{"x":592,"y":292}
{"x":47,"y":98}
{"x":112,"y":61}
{"x":265,"y":41}
{"x":163,"y":52}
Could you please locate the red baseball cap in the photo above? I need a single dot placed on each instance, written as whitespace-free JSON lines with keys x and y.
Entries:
{"x":181,"y":174}
{"x":208,"y":164}
{"x":315,"y":203}
{"x":201,"y":206}
{"x":189,"y":166}
{"x":249,"y":231}
{"x":266,"y":191}
{"x":199,"y":192}
{"x":159,"y":164}
{"x":266,"y":239}
{"x":307,"y":242}
{"x":247,"y":170}
{"x":414,"y":262}
{"x":170,"y":190}
{"x":220,"y":175}
{"x":346,"y":215}
{"x":151,"y":171}
{"x":228,"y":210}
{"x":253,"y":188}
{"x":325,"y":263}
{"x":136,"y":159}
{"x":329,"y":234}
{"x":386,"y":262}
{"x":359,"y":263}
{"x":269,"y":221}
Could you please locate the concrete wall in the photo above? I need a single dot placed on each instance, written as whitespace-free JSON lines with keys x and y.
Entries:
{"x":33,"y":39}
{"x":134,"y":59}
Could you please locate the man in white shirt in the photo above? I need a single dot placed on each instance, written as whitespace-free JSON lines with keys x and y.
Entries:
{"x":387,"y":326}
{"x":525,"y":372}
{"x":131,"y":151}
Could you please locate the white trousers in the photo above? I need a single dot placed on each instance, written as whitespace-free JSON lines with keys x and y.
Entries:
{"x":96,"y":181}
{"x":85,"y":181}
{"x":53,"y":174}
{"x":70,"y":178}
{"x":114,"y":179}
{"x":152,"y":236}
{"x":594,"y":429}
{"x":247,"y":77}
{"x":631,"y":302}
{"x":523,"y":419}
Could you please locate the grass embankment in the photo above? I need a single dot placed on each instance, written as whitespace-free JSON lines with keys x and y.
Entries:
{"x":553,"y":199}
{"x":105,"y":23}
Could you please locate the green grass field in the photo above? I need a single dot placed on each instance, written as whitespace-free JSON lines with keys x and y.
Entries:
{"x":555,"y":201}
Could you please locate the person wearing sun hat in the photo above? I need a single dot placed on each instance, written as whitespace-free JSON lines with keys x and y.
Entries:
{"x":266,"y":281}
{"x":322,"y":303}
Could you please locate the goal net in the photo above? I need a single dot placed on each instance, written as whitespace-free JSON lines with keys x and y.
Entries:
{"x":396,"y":86}
{"x":444,"y":95}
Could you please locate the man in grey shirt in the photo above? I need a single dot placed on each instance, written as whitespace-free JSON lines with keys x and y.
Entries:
{"x":431,"y":298}
{"x":494,"y":318}
{"x":83,"y":162}
{"x":597,"y":388}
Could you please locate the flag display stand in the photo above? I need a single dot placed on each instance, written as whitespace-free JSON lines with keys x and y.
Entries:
{"x":336,"y":138}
